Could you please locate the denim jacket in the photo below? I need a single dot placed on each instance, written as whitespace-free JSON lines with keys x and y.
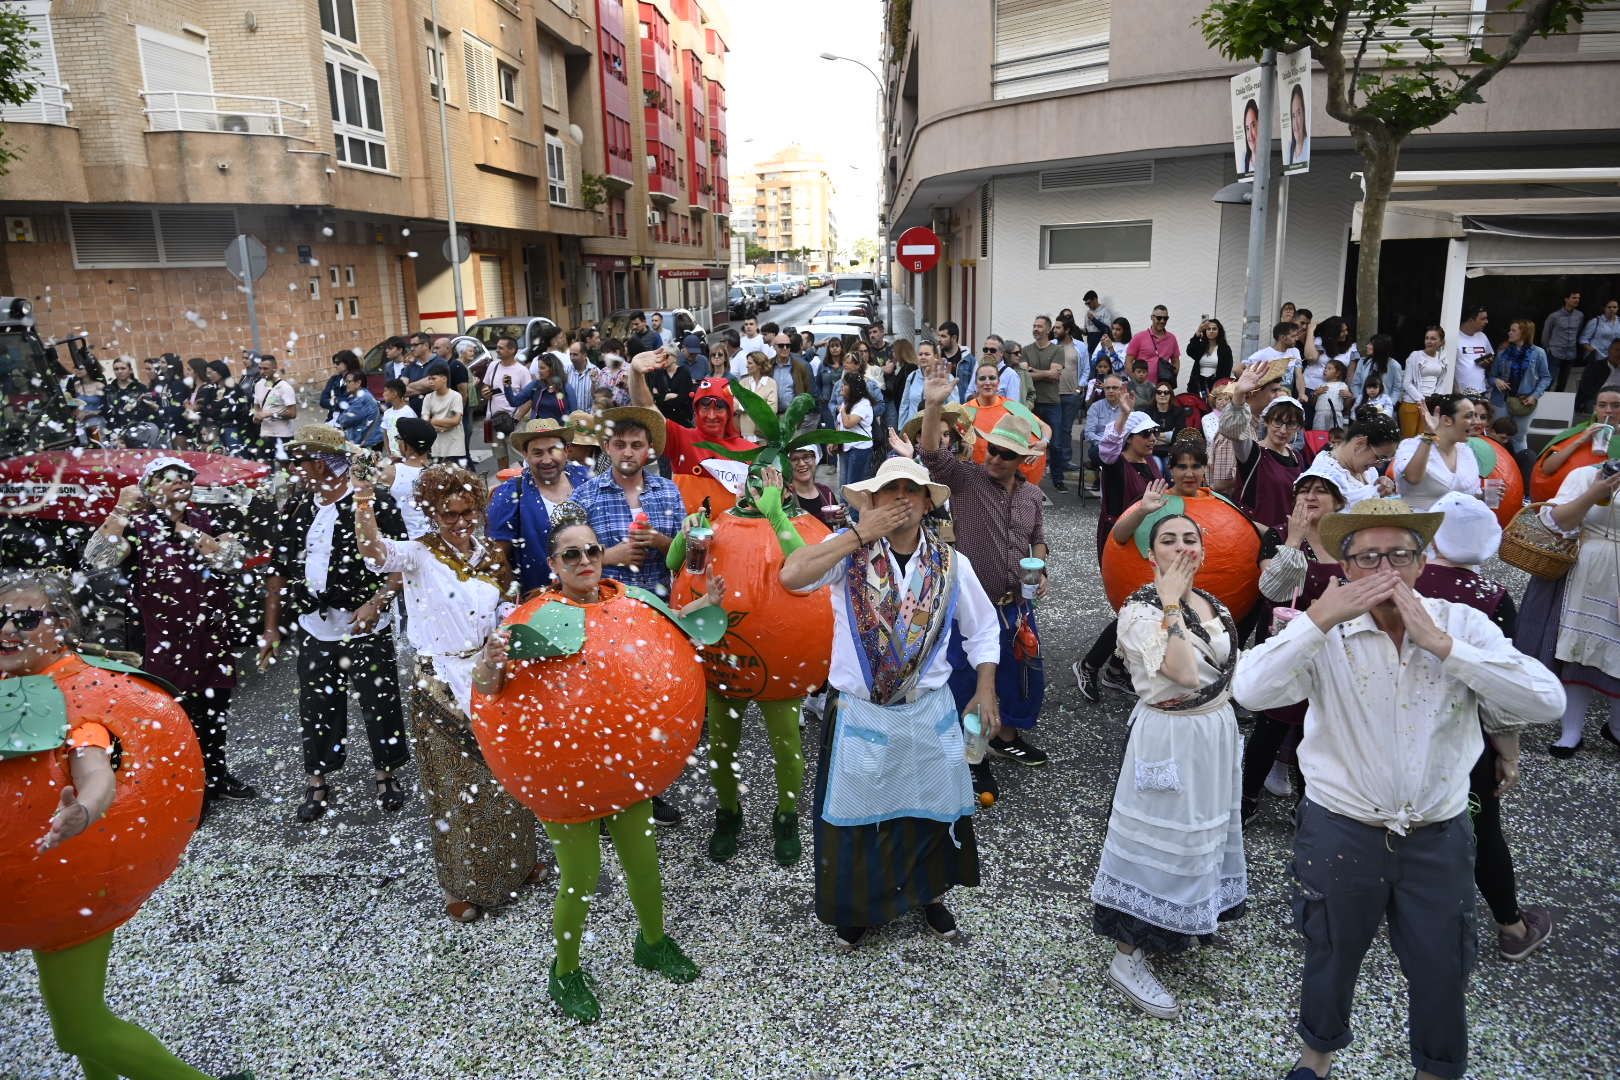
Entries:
{"x":1537,"y":376}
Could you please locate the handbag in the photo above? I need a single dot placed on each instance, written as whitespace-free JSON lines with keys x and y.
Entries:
{"x":1516,"y":406}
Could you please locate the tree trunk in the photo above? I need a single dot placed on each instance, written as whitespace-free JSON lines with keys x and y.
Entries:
{"x":1380,"y":153}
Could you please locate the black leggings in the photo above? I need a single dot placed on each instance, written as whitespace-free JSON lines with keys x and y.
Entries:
{"x":207,"y":709}
{"x":1103,"y":649}
{"x":1259,"y":751}
{"x":1493,"y":862}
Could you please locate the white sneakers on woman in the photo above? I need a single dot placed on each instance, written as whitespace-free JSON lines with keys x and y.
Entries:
{"x":1130,"y":975}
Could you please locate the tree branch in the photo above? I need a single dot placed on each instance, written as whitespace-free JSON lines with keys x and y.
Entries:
{"x":1535,"y":18}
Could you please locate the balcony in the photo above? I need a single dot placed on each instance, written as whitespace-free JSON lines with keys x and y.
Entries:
{"x":179,"y":110}
{"x":48,"y":105}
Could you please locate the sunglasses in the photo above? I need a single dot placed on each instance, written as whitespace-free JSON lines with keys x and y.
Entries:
{"x":1161,"y":318}
{"x":781,"y":344}
{"x":572,"y":556}
{"x":990,"y":349}
{"x":26,"y":619}
{"x":1003,"y":453}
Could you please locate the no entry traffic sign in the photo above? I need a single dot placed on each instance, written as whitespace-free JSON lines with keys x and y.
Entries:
{"x":919,"y":249}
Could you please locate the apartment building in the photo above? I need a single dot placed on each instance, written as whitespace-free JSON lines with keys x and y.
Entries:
{"x":1077,"y":144}
{"x":791,"y":209}
{"x":161,"y":129}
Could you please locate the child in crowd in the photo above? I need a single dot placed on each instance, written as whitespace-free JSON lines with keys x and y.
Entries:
{"x":1333,"y":399}
{"x":1373,"y":395}
{"x":396,"y":406}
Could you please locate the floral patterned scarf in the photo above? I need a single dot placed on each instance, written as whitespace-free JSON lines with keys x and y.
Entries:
{"x":899,"y":622}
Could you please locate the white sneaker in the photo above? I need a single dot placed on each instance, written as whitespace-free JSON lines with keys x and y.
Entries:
{"x":1278,"y":781}
{"x":1130,"y":974}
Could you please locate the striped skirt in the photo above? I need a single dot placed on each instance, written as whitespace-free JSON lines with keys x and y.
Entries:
{"x":868,"y":875}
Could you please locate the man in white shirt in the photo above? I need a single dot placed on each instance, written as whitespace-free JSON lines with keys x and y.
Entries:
{"x":1474,"y":351}
{"x":275,"y":406}
{"x":1397,"y":686}
{"x":751,"y":341}
{"x":441,"y":407}
{"x":1283,"y":336}
{"x":665,"y":335}
{"x":507,"y":375}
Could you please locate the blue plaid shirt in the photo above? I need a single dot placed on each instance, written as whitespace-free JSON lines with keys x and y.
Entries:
{"x":611,"y":515}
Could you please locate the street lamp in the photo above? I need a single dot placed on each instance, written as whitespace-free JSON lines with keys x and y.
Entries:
{"x":883,"y":105}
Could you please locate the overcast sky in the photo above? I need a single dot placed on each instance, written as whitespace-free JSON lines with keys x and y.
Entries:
{"x":780,"y":91}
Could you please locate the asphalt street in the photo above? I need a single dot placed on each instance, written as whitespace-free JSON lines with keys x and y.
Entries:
{"x":320,"y":951}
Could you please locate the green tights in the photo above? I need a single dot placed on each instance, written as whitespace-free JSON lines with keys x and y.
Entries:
{"x":579,"y":866}
{"x":725,"y":735}
{"x":73,"y":983}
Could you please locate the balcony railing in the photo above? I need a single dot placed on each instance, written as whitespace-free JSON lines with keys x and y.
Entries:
{"x":49,"y":105}
{"x":186,"y":110}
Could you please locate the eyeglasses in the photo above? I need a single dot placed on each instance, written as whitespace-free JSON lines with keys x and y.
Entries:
{"x":1369,"y":560}
{"x":990,"y":349}
{"x":781,"y":344}
{"x":1003,"y":453}
{"x":572,"y":556}
{"x":1285,"y":423}
{"x":457,"y":515}
{"x":1161,"y":318}
{"x":26,"y":619}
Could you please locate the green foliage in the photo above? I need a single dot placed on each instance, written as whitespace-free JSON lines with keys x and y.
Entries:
{"x":754,"y":253}
{"x":592,"y":190}
{"x":899,"y":28}
{"x":16,"y":71}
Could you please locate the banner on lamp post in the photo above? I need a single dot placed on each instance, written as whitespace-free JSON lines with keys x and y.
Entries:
{"x":1245,"y":121}
{"x":1294,"y":111}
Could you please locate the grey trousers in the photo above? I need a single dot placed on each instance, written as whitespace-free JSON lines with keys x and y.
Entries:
{"x":1350,"y":877}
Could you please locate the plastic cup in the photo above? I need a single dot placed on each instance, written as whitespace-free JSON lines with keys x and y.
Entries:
{"x":1493,"y":492}
{"x":1600,"y":441}
{"x":697,"y":549}
{"x":1029,"y":576}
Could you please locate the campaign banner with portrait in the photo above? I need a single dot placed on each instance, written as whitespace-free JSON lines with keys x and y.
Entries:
{"x":1246,"y":121}
{"x":1294,"y":111}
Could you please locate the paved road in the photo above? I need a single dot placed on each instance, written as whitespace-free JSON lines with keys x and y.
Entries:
{"x":319,"y":951}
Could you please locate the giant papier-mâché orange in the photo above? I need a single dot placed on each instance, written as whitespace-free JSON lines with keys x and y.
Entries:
{"x":1496,"y":463}
{"x":97,"y":880}
{"x":1544,"y":487}
{"x":604,"y":713}
{"x":1231,"y":570}
{"x":778,"y":644}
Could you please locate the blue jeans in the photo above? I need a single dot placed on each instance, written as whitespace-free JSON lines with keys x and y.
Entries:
{"x":1056,"y":455}
{"x":853,"y":465}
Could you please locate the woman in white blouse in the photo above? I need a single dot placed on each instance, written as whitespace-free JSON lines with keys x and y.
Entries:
{"x":1172,"y":863}
{"x":1439,"y":460}
{"x":457,"y":589}
{"x":1428,"y":372}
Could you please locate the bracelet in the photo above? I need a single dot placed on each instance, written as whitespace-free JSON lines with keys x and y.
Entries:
{"x":858,"y":538}
{"x":1428,"y":437}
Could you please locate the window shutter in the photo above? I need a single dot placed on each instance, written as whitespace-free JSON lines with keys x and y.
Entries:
{"x":172,"y":68}
{"x":196,"y":235}
{"x":482,"y":91}
{"x":1045,"y":45}
{"x":46,"y":106}
{"x":113,"y":236}
{"x":489,"y":277}
{"x":1447,"y":21}
{"x":1600,"y":33}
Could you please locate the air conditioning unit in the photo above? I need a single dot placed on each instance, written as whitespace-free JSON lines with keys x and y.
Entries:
{"x":655,"y":218}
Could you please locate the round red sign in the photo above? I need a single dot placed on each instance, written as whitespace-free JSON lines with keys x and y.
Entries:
{"x":918,"y":249}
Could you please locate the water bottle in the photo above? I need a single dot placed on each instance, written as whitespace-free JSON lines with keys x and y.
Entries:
{"x":974,"y":742}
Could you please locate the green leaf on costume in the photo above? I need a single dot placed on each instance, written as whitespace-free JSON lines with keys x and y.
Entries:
{"x":759,"y":411}
{"x":726,"y":452}
{"x":1173,"y":505}
{"x":1484,"y":455}
{"x":796,"y":412}
{"x":33,"y":715}
{"x":822,"y":437}
{"x":555,"y":629}
{"x":707,"y":625}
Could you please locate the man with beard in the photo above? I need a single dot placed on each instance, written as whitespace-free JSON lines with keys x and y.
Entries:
{"x":714,"y":420}
{"x":519,"y":521}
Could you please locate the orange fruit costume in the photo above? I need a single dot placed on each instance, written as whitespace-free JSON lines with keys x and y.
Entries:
{"x":96,"y":881}
{"x":985,"y":418}
{"x":1543,"y":487}
{"x":1231,"y":570}
{"x":686,"y":457}
{"x":1495,"y":463}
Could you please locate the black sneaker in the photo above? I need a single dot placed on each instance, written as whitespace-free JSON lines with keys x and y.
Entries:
{"x":1086,"y":679}
{"x":984,"y":783}
{"x":664,"y":814}
{"x":229,"y":787}
{"x":1057,"y":485}
{"x":1018,"y":750}
{"x":1115,"y":677}
{"x":848,"y":937}
{"x":941,"y":921}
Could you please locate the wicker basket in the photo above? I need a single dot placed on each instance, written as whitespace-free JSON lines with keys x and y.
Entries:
{"x":1536,"y":549}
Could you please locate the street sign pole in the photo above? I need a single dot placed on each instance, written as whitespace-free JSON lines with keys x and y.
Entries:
{"x":247,"y":282}
{"x":919,"y":250}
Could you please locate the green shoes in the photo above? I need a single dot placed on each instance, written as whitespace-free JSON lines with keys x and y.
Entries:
{"x":785,"y":827}
{"x":572,"y":993}
{"x":666,"y":958}
{"x":723,"y":841}
{"x":244,"y":1075}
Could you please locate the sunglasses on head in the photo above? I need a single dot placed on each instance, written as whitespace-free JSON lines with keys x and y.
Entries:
{"x":572,"y":556}
{"x":26,"y":619}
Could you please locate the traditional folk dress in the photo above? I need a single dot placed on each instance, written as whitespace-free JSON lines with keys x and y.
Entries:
{"x":894,"y":799}
{"x":483,"y":840}
{"x":1589,"y":615}
{"x":1172,"y":863}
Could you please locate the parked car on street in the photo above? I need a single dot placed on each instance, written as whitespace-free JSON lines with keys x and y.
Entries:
{"x":739,"y":303}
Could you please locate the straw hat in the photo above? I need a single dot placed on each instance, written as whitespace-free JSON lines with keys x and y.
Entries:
{"x":1276,"y":370}
{"x":859,"y":494}
{"x":586,"y":427}
{"x":955,"y":416}
{"x":317,"y":439}
{"x":1013,"y":432}
{"x":1377,"y":514}
{"x":534,"y":429}
{"x":651,"y":419}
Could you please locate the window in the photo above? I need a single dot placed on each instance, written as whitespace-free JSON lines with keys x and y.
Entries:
{"x":334,"y":273}
{"x":348,"y":275}
{"x":337,"y":19}
{"x":48,"y":105}
{"x":556,"y":171}
{"x":507,"y":76}
{"x":354,"y":307}
{"x":314,"y":288}
{"x":616,"y":222}
{"x":147,"y":236}
{"x":438,"y":68}
{"x":548,"y":76}
{"x":357,"y":120}
{"x":178,"y":82}
{"x":337,"y":310}
{"x":1107,"y":243}
{"x":1045,"y":45}
{"x":478,"y":59}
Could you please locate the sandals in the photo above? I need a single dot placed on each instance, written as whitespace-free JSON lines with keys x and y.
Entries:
{"x":316,"y":797}
{"x":390,"y":794}
{"x":462,"y":911}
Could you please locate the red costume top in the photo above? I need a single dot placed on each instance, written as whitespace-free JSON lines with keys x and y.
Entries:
{"x":686,"y":458}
